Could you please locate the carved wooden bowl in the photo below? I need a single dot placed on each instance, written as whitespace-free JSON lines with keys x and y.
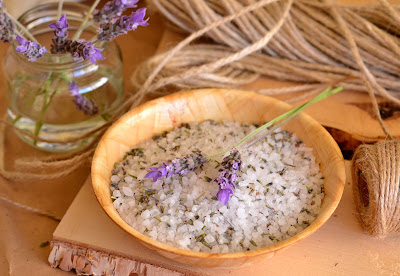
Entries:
{"x":164,"y":113}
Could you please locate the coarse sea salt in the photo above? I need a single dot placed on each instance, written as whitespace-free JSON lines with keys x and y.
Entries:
{"x":277,"y":195}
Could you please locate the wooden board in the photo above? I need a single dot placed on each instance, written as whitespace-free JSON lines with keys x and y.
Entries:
{"x":339,"y":247}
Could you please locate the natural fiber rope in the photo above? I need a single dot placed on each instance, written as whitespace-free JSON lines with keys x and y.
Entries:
{"x":30,"y":209}
{"x":302,"y":41}
{"x":310,"y":47}
{"x":369,"y":80}
{"x":210,"y":67}
{"x":376,"y":186}
{"x":64,"y":164}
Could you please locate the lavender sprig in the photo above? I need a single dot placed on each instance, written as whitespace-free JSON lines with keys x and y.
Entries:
{"x":60,"y":40}
{"x":79,"y":48}
{"x":227,"y":175}
{"x":30,"y":49}
{"x":88,"y":107}
{"x":122,"y":25}
{"x":232,"y":164}
{"x":178,"y":166}
{"x":112,"y":9}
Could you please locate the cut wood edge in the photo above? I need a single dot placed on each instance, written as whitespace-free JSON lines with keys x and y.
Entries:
{"x":87,"y":261}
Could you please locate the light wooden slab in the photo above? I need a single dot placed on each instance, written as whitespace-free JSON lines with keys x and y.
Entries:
{"x":340,"y":247}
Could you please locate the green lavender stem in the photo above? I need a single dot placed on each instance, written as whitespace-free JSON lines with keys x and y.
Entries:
{"x":60,"y":6}
{"x":46,"y":103}
{"x":39,"y":123}
{"x":292,"y":113}
{"x":285,"y":117}
{"x":85,"y":20}
{"x":16,"y":119}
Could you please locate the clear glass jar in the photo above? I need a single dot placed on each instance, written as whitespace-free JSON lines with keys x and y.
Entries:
{"x":38,"y":97}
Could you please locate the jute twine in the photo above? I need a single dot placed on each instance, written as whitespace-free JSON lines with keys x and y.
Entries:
{"x":311,"y":42}
{"x":318,"y":42}
{"x":376,"y":186}
{"x":31,"y":209}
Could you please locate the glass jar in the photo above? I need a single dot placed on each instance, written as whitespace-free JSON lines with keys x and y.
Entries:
{"x":38,"y":98}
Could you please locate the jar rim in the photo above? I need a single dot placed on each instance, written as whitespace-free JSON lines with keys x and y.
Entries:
{"x":56,"y":62}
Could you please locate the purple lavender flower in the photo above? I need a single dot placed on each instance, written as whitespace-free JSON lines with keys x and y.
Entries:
{"x":122,"y":25}
{"x":30,"y":49}
{"x":157,"y":172}
{"x":79,"y":48}
{"x":112,"y":9}
{"x":178,"y":166}
{"x":88,"y":107}
{"x":227,"y":175}
{"x":60,"y":40}
{"x":223,"y":195}
{"x":6,"y":28}
{"x":83,"y":49}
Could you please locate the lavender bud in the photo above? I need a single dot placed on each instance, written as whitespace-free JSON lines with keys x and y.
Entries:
{"x":60,"y":40}
{"x":83,"y":49}
{"x":88,"y":107}
{"x":112,"y":9}
{"x":30,"y":49}
{"x":178,"y":166}
{"x":227,"y":175}
{"x":110,"y":30}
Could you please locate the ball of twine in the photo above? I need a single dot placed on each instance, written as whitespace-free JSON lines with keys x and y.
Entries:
{"x":376,"y":186}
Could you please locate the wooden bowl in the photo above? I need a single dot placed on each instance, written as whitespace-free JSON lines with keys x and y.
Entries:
{"x":165,"y":113}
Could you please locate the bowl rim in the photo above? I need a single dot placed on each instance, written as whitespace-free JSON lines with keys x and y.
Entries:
{"x":316,"y":224}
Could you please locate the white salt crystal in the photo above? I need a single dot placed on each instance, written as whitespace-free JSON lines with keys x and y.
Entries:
{"x":241,"y":213}
{"x":116,"y":193}
{"x":145,"y":214}
{"x":115,"y":178}
{"x":127,"y":191}
{"x":128,"y":179}
{"x":198,"y":224}
{"x":209,"y":239}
